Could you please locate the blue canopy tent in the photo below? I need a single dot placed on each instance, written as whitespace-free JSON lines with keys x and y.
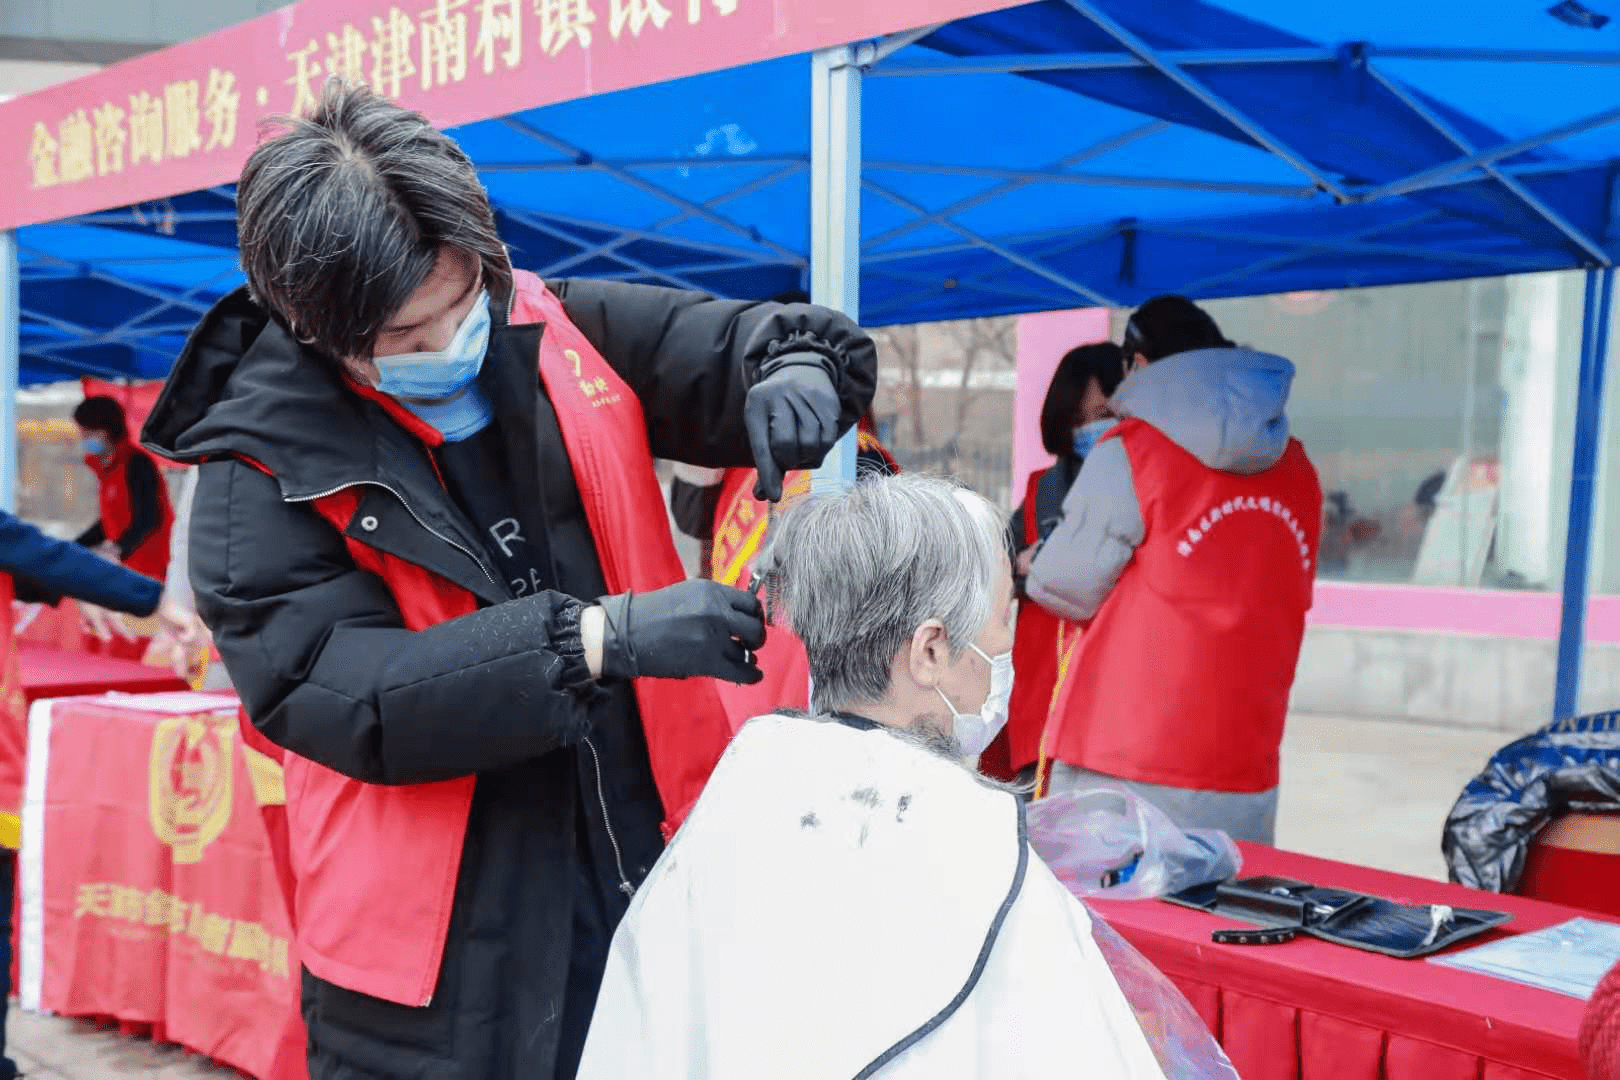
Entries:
{"x":1055,"y":154}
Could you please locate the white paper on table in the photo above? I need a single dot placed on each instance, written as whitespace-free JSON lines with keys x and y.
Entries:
{"x":1570,"y":958}
{"x":171,"y":701}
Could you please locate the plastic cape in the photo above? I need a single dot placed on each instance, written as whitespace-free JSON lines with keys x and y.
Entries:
{"x":1572,"y":766}
{"x":845,"y":903}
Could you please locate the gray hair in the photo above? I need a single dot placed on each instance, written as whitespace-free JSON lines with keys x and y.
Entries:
{"x":857,"y":572}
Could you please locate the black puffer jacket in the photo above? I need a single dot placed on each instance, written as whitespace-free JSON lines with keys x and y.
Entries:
{"x":318,"y":652}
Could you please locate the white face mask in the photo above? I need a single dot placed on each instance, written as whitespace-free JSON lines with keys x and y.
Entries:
{"x":974,"y":731}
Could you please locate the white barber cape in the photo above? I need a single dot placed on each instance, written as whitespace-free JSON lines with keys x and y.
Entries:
{"x":842,"y":904}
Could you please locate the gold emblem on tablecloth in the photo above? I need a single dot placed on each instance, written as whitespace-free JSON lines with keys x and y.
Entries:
{"x":189,"y":792}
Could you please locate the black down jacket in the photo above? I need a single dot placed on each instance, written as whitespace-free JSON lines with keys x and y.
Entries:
{"x":318,"y":651}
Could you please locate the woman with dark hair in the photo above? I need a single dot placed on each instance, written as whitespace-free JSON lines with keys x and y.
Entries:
{"x":1073,"y":417}
{"x":1191,"y":538}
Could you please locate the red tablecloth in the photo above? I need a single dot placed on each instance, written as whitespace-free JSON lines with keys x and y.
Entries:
{"x":49,"y":673}
{"x":1309,"y":1010}
{"x":147,"y":890}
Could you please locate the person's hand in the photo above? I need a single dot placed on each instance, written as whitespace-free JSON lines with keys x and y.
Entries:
{"x":180,"y":643}
{"x":692,"y":629}
{"x":1026,"y":559}
{"x":107,"y":549}
{"x":182,"y":625}
{"x":103,"y":624}
{"x":792,"y":420}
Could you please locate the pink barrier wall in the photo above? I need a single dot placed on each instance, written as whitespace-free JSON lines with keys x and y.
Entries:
{"x":1042,"y":341}
{"x":1477,"y":612}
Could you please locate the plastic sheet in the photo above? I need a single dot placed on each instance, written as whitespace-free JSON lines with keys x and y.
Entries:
{"x":1180,"y":1041}
{"x":1572,"y":766}
{"x":1112,"y":843}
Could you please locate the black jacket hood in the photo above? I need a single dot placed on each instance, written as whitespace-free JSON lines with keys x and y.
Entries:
{"x":243,"y":387}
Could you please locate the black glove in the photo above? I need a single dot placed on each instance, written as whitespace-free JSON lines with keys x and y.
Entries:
{"x":695,"y":628}
{"x":792,"y":417}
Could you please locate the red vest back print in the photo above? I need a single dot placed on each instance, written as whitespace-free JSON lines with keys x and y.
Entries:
{"x":341,"y":831}
{"x":1183,"y":677}
{"x":152,"y":557}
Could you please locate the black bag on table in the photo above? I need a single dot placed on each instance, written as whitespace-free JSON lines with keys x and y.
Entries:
{"x":1282,"y":909}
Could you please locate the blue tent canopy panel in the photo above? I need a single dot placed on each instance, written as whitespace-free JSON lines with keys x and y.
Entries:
{"x":1052,"y":155}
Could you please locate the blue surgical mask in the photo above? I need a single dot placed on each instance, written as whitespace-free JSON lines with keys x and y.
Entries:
{"x":435,"y":376}
{"x":93,"y":445}
{"x":1086,"y":435}
{"x":456,"y":418}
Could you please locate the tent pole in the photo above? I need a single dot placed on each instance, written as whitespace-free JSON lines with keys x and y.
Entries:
{"x":1578,"y":544}
{"x":10,"y":362}
{"x":835,"y":213}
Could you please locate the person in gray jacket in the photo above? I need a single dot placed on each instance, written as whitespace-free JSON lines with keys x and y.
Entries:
{"x":1188,"y":541}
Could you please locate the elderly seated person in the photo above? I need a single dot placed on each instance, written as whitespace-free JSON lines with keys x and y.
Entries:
{"x":848,"y":896}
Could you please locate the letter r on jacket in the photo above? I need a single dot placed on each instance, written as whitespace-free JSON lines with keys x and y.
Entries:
{"x":506,"y":532}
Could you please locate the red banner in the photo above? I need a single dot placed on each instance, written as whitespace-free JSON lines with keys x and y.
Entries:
{"x":147,"y":890}
{"x":183,"y":118}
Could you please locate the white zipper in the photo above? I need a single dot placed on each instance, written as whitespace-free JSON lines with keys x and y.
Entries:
{"x":601,"y":797}
{"x":378,"y":483}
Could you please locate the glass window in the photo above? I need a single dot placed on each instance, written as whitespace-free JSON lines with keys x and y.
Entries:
{"x":1440,"y":418}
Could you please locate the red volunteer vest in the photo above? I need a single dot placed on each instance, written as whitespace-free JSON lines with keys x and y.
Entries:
{"x":13,"y":725}
{"x":1182,"y":679}
{"x":373,"y":921}
{"x":740,"y":524}
{"x":1043,"y":649}
{"x":152,"y":557}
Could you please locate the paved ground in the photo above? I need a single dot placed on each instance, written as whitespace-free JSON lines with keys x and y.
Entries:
{"x":50,"y":1048}
{"x":1361,"y":791}
{"x":1376,"y":793}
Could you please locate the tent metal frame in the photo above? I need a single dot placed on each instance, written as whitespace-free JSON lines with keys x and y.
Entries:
{"x":1475,"y":164}
{"x":1596,"y":316}
{"x":1021,"y":263}
{"x":1590,"y":248}
{"x":1186,"y":58}
{"x":835,"y":213}
{"x":10,"y":365}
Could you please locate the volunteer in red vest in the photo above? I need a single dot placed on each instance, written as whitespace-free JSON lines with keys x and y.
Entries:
{"x":1189,"y":540}
{"x":135,"y":513}
{"x":1074,"y":416}
{"x":432,"y":549}
{"x":45,"y":568}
